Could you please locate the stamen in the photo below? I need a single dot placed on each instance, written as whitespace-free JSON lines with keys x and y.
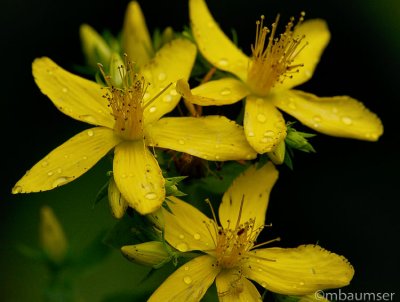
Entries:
{"x":267,"y":242}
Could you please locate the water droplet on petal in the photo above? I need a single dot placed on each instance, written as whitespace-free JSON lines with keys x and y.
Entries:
{"x":123,"y":175}
{"x":153,"y":109}
{"x":197,"y":236}
{"x":217,"y":157}
{"x":261,"y":118}
{"x":59,"y":181}
{"x":59,"y":170}
{"x":301,"y":283}
{"x":266,"y":140}
{"x":187,"y":279}
{"x":269,"y":133}
{"x":146,"y":95}
{"x":151,"y":195}
{"x":226,"y":91}
{"x":90,"y":133}
{"x":259,"y":269}
{"x":308,"y":73}
{"x":223,"y":62}
{"x":249,"y":156}
{"x":45,"y":163}
{"x":84,"y":157}
{"x":17,"y":189}
{"x":250,"y":134}
{"x":50,"y":173}
{"x":65,"y":90}
{"x":173,"y":92}
{"x":263,"y":284}
{"x":183,"y":247}
{"x":162,"y":76}
{"x":317,"y":119}
{"x":181,"y":141}
{"x":347,"y":120}
{"x":88,"y":118}
{"x":181,"y":236}
{"x":167,"y":98}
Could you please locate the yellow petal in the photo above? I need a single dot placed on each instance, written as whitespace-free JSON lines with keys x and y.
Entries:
{"x":340,"y":116}
{"x":214,"y":45}
{"x":138,"y":176}
{"x":317,"y":36}
{"x":136,"y":40}
{"x":189,"y":283}
{"x":298,"y":271}
{"x":52,"y":236}
{"x":117,"y":202}
{"x":74,"y":96}
{"x":94,"y":47}
{"x":187,"y":228}
{"x":253,"y":187}
{"x":68,"y":161}
{"x":264,"y":125}
{"x":233,"y":287}
{"x":220,"y":92}
{"x":172,"y":62}
{"x":210,"y":137}
{"x":148,"y":253}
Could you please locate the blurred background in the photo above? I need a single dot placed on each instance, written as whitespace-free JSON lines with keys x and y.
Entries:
{"x":345,"y":197}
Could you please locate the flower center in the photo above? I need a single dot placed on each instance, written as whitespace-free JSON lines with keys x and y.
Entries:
{"x":126,"y":102}
{"x":272,"y":57}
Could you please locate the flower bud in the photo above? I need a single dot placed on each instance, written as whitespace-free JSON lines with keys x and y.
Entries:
{"x":94,"y":47}
{"x":278,"y":154}
{"x":150,"y":253}
{"x":118,"y":204}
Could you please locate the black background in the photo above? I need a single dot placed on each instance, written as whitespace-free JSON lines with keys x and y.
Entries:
{"x":345,"y":196}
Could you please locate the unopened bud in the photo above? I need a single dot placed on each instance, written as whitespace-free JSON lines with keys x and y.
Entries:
{"x":278,"y":154}
{"x":150,"y":253}
{"x":94,"y":47}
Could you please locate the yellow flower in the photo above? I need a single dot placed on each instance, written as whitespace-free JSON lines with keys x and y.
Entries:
{"x":278,"y":63}
{"x":231,"y":254}
{"x":128,"y":119}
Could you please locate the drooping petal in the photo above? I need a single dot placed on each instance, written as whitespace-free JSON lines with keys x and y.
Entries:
{"x":297,"y":271}
{"x":210,"y":137}
{"x":188,"y":283}
{"x":340,"y":116}
{"x":68,"y":161}
{"x":136,"y":39}
{"x":138,"y":176}
{"x":74,"y":96}
{"x":317,"y":37}
{"x":264,"y":125}
{"x":214,"y":45}
{"x":253,"y":188}
{"x":219,"y":92}
{"x":233,"y":287}
{"x":172,"y":62}
{"x":94,"y":46}
{"x":186,"y":228}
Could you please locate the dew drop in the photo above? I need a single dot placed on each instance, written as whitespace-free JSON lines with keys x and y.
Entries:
{"x":317,"y":119}
{"x":50,"y":173}
{"x":346,"y":120}
{"x":301,"y":283}
{"x":65,"y":90}
{"x":181,"y":236}
{"x":151,"y":195}
{"x":17,"y":189}
{"x":261,"y":118}
{"x":173,"y":92}
{"x":183,"y":247}
{"x":250,"y":134}
{"x":223,"y":62}
{"x":269,"y":133}
{"x":162,"y":76}
{"x":84,"y":157}
{"x":217,"y":157}
{"x":59,"y":170}
{"x":123,"y":175}
{"x":266,"y":140}
{"x":59,"y":181}
{"x":186,"y":268}
{"x":292,"y":105}
{"x":187,"y":279}
{"x":153,"y":109}
{"x":226,"y":91}
{"x":197,"y":236}
{"x":260,"y":270}
{"x":263,"y":284}
{"x":90,"y":133}
{"x":146,"y":95}
{"x":45,"y":163}
{"x":181,"y":141}
{"x":249,"y":156}
{"x":167,"y":98}
{"x":308,"y":73}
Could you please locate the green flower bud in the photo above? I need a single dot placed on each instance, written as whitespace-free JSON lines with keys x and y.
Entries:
{"x":94,"y":47}
{"x":151,"y":253}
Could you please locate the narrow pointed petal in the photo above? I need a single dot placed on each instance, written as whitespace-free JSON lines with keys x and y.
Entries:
{"x":317,"y":37}
{"x":117,"y":202}
{"x":214,"y":45}
{"x":211,"y":137}
{"x":264,"y":125}
{"x":172,"y":62}
{"x":253,"y":187}
{"x":233,"y":287}
{"x":220,"y":92}
{"x":94,"y":46}
{"x":136,"y":39}
{"x":74,"y":96}
{"x":297,"y":271}
{"x":340,"y":116}
{"x":138,"y":176}
{"x":188,"y":229}
{"x":68,"y":161}
{"x":188,"y":283}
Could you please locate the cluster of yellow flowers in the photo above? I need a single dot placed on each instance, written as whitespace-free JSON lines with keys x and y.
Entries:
{"x":128,"y":111}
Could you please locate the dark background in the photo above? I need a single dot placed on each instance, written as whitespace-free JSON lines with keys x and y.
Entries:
{"x":345,"y":196}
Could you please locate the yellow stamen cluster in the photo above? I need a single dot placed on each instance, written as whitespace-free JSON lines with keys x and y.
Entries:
{"x":126,"y":102}
{"x":273,"y":62}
